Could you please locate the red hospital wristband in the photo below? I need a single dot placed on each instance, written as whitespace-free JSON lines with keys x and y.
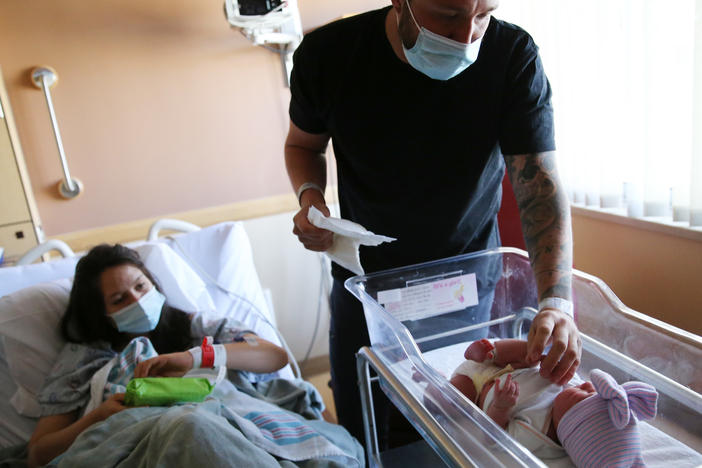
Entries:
{"x":208,"y":352}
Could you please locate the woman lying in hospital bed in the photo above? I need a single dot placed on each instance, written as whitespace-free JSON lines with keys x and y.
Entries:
{"x":595,"y":423}
{"x":118,"y":326}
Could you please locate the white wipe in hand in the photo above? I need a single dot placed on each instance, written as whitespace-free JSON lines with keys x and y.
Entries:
{"x":348,"y":236}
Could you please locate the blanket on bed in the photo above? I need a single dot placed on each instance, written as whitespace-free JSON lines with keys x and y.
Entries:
{"x":230,"y":429}
{"x":208,"y":432}
{"x":272,"y":423}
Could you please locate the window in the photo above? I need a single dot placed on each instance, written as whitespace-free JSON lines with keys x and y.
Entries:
{"x":627,"y":93}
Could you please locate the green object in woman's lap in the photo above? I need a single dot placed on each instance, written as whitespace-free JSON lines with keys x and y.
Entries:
{"x":163,"y":391}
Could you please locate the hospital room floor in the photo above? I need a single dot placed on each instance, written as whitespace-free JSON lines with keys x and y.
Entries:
{"x":320,"y":381}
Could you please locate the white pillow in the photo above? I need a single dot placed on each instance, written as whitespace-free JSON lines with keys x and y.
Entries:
{"x":221,"y":255}
{"x":29,"y":325}
{"x":18,"y":277}
{"x":183,"y":288}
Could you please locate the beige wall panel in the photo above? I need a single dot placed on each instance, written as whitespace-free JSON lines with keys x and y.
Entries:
{"x":13,"y":203}
{"x":162,"y":106}
{"x":315,"y":13}
{"x":654,"y":273}
{"x":17,"y":239}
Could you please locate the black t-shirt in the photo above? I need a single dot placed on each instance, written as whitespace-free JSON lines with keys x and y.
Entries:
{"x":420,"y":159}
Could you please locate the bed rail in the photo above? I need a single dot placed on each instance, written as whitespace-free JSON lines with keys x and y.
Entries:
{"x":170,"y":224}
{"x":44,"y":248}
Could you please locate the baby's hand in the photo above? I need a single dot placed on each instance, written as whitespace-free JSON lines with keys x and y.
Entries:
{"x":506,"y":397}
{"x":480,"y":350}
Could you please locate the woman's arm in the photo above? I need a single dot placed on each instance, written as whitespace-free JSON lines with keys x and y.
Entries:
{"x":54,"y":434}
{"x":253,"y":355}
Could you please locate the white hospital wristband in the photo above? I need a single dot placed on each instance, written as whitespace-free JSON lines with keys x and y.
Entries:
{"x":197,"y":356}
{"x":305,"y":186}
{"x":558,"y":303}
{"x":220,"y":356}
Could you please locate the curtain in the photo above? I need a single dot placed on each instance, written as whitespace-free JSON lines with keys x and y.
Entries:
{"x":627,"y":94}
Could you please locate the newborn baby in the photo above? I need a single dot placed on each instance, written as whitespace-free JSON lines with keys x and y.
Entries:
{"x":595,"y":422}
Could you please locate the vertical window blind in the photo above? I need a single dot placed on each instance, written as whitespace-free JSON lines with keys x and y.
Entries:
{"x":627,"y":93}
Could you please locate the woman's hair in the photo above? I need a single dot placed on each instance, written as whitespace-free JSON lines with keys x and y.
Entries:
{"x":86,"y":318}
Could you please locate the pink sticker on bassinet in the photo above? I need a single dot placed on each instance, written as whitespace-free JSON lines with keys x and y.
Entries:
{"x":432,"y":298}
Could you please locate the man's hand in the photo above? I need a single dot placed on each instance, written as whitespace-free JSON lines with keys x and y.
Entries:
{"x":312,"y":237}
{"x":165,"y":365}
{"x":305,"y":161}
{"x":561,"y":362}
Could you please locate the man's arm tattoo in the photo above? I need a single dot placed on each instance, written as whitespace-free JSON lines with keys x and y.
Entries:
{"x":545,"y":216}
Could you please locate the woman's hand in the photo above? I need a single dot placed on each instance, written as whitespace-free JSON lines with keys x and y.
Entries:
{"x":112,"y":405}
{"x":165,"y":365}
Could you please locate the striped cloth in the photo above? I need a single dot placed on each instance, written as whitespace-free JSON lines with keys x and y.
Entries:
{"x":601,"y":431}
{"x":139,"y":349}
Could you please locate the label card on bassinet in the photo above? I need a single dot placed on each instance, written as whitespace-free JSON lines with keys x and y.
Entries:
{"x":432,"y":298}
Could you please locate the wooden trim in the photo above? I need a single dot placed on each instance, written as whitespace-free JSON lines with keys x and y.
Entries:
{"x":649,"y":224}
{"x":137,"y":230}
{"x":19,"y":160}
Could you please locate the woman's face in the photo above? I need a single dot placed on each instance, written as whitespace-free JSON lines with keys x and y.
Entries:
{"x":123,"y":285}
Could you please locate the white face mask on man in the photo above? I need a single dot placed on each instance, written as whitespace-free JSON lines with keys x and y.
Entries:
{"x":141,"y":316}
{"x":437,"y":56}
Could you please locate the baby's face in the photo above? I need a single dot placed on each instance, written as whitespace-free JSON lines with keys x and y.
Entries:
{"x":569,"y":398}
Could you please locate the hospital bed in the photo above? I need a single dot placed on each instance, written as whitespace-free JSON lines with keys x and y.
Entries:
{"x":420,"y":319}
{"x":208,"y":270}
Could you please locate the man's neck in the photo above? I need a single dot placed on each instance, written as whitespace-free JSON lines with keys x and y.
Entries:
{"x":393,"y":34}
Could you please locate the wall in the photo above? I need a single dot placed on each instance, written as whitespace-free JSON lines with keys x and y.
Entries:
{"x":297,"y":280}
{"x":165,"y":109}
{"x":654,"y":273}
{"x":162,"y":106}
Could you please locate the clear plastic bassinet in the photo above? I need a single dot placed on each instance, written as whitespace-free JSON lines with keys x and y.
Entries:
{"x":420,"y":317}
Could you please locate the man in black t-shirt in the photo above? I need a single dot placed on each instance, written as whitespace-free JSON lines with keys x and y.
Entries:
{"x":425,"y":103}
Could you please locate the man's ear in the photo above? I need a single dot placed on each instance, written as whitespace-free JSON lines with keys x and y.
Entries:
{"x":397,"y":5}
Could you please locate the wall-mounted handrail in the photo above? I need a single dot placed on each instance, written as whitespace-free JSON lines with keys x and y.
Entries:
{"x":44,"y":78}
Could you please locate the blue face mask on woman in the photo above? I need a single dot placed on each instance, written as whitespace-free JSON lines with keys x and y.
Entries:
{"x":439,"y":57}
{"x":141,"y":316}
